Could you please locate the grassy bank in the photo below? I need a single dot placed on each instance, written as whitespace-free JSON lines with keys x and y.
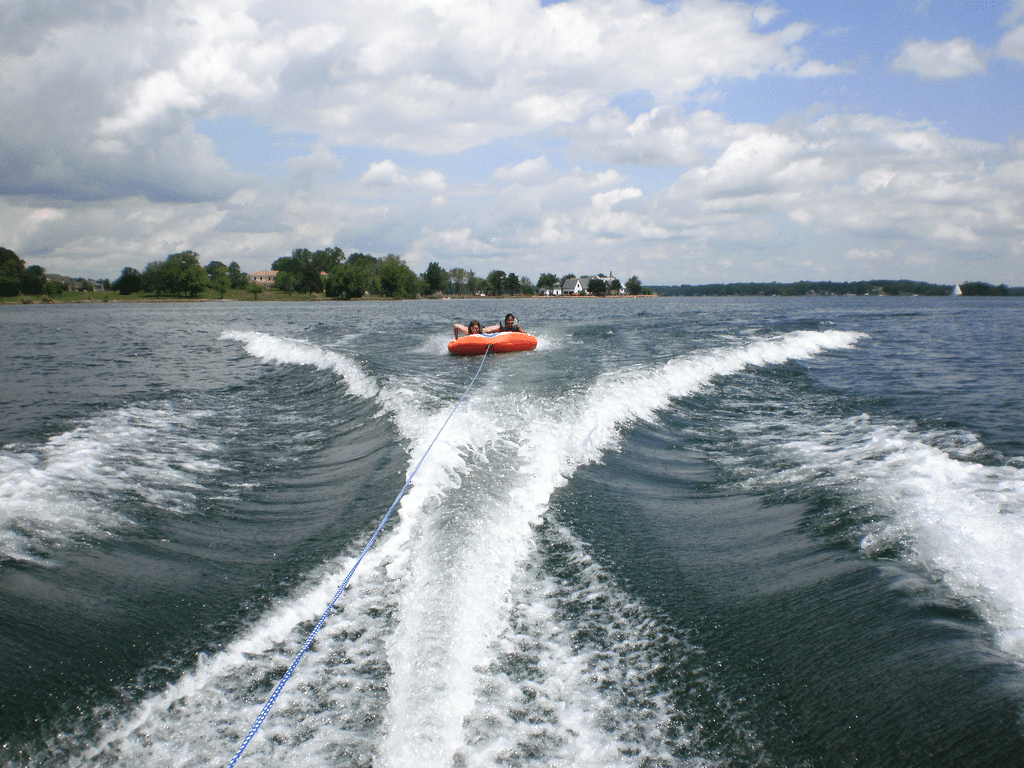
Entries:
{"x":100,"y":297}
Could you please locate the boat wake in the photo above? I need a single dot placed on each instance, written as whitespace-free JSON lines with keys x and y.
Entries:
{"x":148,"y":457}
{"x":935,"y":499}
{"x":479,"y":631}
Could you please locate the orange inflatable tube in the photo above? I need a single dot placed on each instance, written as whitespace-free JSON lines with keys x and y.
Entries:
{"x":477,"y":343}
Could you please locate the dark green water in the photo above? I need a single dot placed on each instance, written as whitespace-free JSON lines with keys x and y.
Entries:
{"x":680,"y":533}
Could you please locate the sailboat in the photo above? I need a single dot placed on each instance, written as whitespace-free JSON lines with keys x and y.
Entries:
{"x":956,"y":291}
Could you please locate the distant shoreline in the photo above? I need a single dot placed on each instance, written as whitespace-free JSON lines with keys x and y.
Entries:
{"x":112,"y":297}
{"x":818,"y":289}
{"x":836,"y":288}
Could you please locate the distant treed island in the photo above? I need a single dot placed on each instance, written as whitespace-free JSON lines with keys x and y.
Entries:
{"x":329,"y":274}
{"x":326,"y":273}
{"x":829,"y":288}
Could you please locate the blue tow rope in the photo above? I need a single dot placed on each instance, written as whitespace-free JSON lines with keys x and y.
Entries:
{"x":312,"y":635}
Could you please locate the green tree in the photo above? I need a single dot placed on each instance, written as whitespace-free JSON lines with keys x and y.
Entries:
{"x":182,"y":275}
{"x":511,"y":284}
{"x":237,"y":277}
{"x":370,"y":267}
{"x":597,"y":287}
{"x":212,"y":268}
{"x":129,"y":282}
{"x":396,"y":279}
{"x":53,"y":288}
{"x":496,"y":282}
{"x":457,"y":280}
{"x":327,"y":259}
{"x":87,"y":286}
{"x":255,"y":289}
{"x":32,"y":280}
{"x":152,"y":277}
{"x":363,"y":260}
{"x":436,"y":279}
{"x":346,"y":281}
{"x":12,"y":270}
{"x":976,"y":289}
{"x":614,"y":286}
{"x":547,"y":281}
{"x":219,"y":280}
{"x":304,"y":267}
{"x":633,"y":286}
{"x":286,"y":282}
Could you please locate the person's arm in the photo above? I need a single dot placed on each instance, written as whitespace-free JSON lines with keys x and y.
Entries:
{"x":460,"y":327}
{"x":491,"y":329}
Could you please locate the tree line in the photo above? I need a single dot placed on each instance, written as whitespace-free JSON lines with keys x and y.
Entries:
{"x":180,"y":274}
{"x":16,"y":278}
{"x":326,"y":271}
{"x":829,"y":288}
{"x":330,"y":272}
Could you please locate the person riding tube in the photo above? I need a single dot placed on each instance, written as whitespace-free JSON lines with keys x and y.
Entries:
{"x":509,"y":326}
{"x":472,"y":328}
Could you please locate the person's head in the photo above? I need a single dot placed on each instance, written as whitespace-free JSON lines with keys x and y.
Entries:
{"x":474,"y":326}
{"x":510,"y":319}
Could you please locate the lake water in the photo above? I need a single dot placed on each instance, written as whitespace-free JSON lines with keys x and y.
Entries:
{"x":682,"y":532}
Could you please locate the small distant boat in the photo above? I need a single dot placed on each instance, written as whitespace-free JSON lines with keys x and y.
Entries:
{"x":504,"y":341}
{"x":956,"y":291}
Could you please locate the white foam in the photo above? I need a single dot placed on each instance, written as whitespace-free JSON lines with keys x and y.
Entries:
{"x":574,"y":672}
{"x":456,"y":644}
{"x":455,"y":604}
{"x":583,"y":430}
{"x":928,"y":499}
{"x":72,"y":484}
{"x":274,"y":349}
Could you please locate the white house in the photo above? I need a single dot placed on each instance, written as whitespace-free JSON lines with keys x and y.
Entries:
{"x":575,"y":285}
{"x":578,"y":285}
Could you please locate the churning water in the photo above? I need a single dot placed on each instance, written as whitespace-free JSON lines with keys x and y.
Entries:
{"x":779,"y":532}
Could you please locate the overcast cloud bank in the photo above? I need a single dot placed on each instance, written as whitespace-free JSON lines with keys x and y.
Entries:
{"x":581,"y":136}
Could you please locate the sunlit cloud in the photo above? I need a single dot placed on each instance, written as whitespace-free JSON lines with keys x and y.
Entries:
{"x":940,"y":60}
{"x":669,"y":140}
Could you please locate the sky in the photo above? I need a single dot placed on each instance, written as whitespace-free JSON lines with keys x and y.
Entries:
{"x":681,"y":142}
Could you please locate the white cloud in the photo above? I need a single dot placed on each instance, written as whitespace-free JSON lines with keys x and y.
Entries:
{"x":426,"y":75}
{"x":606,"y":221}
{"x":852,"y":177}
{"x":821,"y":69}
{"x":386,"y":174}
{"x":802,"y":217}
{"x":875,"y":179}
{"x":940,"y":60}
{"x":1015,"y":13}
{"x":861,"y":254}
{"x":900,"y":187}
{"x":113,"y":172}
{"x":533,"y":169}
{"x":663,"y":136}
{"x":1012,"y":44}
{"x":321,"y":163}
{"x":613,"y":197}
{"x":749,"y":165}
{"x":452,"y":245}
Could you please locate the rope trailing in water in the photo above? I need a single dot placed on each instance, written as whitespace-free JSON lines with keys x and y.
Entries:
{"x":309,"y":640}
